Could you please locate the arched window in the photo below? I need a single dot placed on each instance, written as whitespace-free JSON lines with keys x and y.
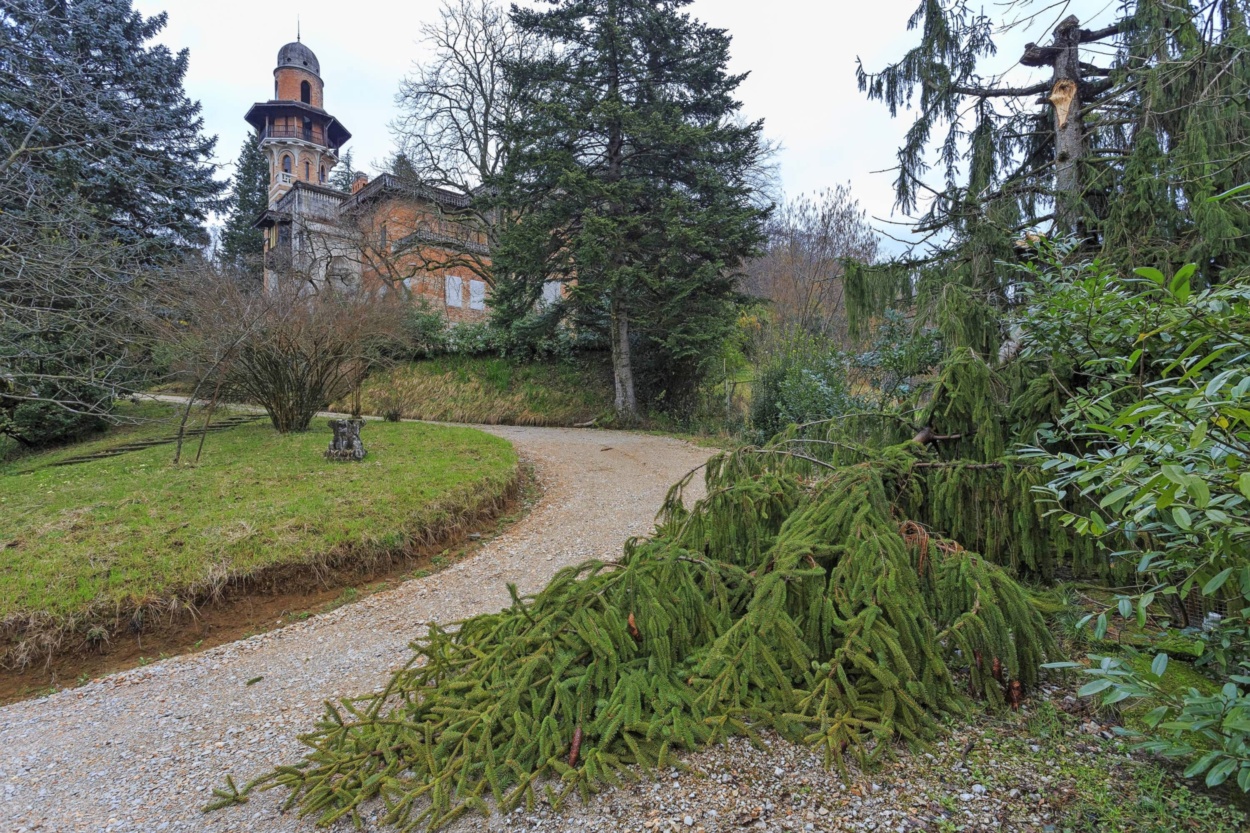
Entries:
{"x":323,"y":174}
{"x":275,"y":88}
{"x":307,"y":171}
{"x":286,"y":164}
{"x":305,"y":92}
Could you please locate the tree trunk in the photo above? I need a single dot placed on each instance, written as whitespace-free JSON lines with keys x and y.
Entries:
{"x":1065,"y":98}
{"x":622,"y":362}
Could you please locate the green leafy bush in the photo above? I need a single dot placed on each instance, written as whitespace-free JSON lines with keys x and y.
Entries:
{"x":1159,"y":436}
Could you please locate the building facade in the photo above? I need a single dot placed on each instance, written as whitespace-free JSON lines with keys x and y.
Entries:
{"x":384,"y":236}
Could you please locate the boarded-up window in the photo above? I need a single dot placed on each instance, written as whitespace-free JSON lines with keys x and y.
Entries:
{"x":455,"y":291}
{"x":551,"y":293}
{"x":477,"y":295}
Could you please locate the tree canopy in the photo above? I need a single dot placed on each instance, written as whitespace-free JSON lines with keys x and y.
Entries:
{"x":104,"y":176}
{"x":242,"y":244}
{"x":629,"y":181}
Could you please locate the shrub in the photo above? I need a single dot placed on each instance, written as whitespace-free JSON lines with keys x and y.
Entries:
{"x":799,"y":388}
{"x":70,"y":412}
{"x":291,"y":350}
{"x":1159,"y":432}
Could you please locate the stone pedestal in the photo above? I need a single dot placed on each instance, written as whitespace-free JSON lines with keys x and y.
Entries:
{"x":346,"y":445}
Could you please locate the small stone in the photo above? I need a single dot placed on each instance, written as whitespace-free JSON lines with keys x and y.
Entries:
{"x":965,"y":796}
{"x":779,"y":772}
{"x":688,"y":821}
{"x":979,"y":790}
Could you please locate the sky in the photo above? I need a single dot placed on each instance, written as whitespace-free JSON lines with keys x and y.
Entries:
{"x":800,"y":56}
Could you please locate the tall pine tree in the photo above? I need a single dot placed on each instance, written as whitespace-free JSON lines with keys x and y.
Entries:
{"x":629,"y":182}
{"x":102,"y":114}
{"x":242,"y":244}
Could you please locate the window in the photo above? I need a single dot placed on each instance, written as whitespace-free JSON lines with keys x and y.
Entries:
{"x":275,"y":88}
{"x":323,"y":175}
{"x":305,"y":92}
{"x":307,"y":170}
{"x":455,"y":291}
{"x":286,"y":164}
{"x":477,"y":295}
{"x":551,"y":294}
{"x":382,"y":238}
{"x":308,"y":130}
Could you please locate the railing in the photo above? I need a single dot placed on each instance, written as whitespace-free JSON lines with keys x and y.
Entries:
{"x":304,"y":133}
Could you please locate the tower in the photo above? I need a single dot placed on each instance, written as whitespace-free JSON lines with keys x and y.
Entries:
{"x":300,"y":139}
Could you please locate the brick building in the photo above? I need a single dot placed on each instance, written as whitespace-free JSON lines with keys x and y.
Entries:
{"x":385,"y":236}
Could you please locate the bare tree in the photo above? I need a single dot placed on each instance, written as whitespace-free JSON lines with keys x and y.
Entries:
{"x":456,"y":106}
{"x":810,"y":240}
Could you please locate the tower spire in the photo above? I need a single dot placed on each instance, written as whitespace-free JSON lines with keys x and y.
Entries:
{"x":298,"y":37}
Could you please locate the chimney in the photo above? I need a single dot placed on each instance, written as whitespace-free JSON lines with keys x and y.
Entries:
{"x":360,"y":181}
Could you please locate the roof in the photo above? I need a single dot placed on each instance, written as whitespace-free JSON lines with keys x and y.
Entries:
{"x":336,"y":131}
{"x":299,"y":56}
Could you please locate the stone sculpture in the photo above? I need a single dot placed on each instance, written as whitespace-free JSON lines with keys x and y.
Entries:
{"x":346,"y":445}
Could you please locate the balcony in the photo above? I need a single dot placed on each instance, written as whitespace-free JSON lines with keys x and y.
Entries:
{"x":304,"y":134}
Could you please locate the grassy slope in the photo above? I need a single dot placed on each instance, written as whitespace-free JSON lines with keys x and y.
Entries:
{"x":133,"y":530}
{"x":494,"y":391}
{"x":135,"y":421}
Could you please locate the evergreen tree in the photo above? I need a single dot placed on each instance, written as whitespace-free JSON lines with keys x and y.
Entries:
{"x":629,"y":182}
{"x":242,"y":244}
{"x":104,"y":116}
{"x":1123,"y":154}
{"x":343,"y":174}
{"x":104,"y":173}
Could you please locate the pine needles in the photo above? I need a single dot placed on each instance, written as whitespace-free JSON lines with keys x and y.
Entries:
{"x":792,"y":597}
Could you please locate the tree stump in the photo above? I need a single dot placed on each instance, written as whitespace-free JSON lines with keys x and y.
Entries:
{"x":346,"y":445}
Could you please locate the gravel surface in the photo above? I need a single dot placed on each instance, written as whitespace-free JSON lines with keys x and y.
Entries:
{"x":141,"y":750}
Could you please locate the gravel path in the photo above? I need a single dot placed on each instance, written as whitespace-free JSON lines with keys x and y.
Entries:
{"x":141,"y":750}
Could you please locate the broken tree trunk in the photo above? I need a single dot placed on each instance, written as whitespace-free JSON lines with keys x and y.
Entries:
{"x":1065,"y":97}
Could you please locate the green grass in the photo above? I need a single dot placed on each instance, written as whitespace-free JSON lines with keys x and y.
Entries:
{"x":85,"y":542}
{"x":134,"y":421}
{"x":493,"y":391}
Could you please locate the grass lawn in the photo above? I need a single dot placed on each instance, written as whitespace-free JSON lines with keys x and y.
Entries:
{"x":135,"y":421}
{"x":84,"y":543}
{"x":494,"y":391}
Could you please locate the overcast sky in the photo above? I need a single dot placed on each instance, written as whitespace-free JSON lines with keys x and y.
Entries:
{"x":800,"y":55}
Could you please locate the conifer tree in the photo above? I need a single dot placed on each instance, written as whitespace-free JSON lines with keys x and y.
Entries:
{"x":242,"y":244}
{"x":792,"y":597}
{"x":102,"y":113}
{"x":629,"y":182}
{"x":105,"y":173}
{"x":1138,"y":124}
{"x":343,"y":174}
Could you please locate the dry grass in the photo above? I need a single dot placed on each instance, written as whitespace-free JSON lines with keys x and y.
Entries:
{"x":492,"y":391}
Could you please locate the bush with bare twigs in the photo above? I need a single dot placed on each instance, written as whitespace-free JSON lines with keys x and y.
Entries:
{"x":290,"y":349}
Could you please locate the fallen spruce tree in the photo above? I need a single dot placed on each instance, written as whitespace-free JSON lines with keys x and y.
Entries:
{"x":793,"y":597}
